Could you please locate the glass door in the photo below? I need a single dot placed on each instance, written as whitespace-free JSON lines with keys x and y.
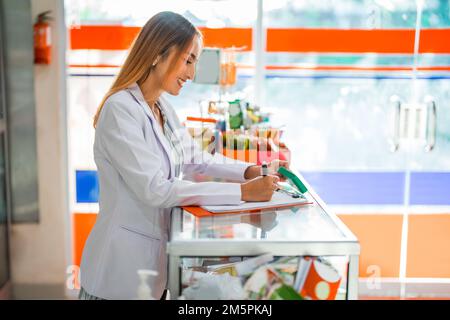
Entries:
{"x":4,"y":251}
{"x":427,"y":221}
{"x":361,"y":87}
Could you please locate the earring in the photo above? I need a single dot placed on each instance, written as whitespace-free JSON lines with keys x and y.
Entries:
{"x":155,"y":62}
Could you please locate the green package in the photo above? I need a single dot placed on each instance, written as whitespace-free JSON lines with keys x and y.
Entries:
{"x":236,"y":118}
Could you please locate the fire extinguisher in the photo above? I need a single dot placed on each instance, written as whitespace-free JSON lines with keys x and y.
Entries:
{"x":42,"y":39}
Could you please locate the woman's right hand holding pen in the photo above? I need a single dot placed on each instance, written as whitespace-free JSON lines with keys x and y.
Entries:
{"x":259,"y":189}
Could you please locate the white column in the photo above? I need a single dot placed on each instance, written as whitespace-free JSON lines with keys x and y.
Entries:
{"x":259,"y":47}
{"x":40,"y":252}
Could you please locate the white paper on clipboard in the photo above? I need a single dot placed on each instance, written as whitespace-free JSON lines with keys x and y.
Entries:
{"x":279,"y":200}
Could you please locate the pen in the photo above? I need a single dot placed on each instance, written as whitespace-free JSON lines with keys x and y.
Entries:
{"x":264,"y":169}
{"x":287,"y":188}
{"x":289,"y":193}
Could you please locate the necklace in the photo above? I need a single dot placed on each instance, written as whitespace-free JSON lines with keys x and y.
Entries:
{"x":154,"y":107}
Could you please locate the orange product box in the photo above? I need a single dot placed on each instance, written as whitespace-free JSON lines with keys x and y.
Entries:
{"x":317,"y":280}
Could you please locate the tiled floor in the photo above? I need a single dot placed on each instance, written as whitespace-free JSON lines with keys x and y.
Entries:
{"x":38,"y":292}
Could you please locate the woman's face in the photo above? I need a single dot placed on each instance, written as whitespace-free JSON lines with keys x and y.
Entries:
{"x":184,"y":69}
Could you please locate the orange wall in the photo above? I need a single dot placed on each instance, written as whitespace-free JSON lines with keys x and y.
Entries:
{"x":428,"y":254}
{"x":429,"y":246}
{"x":82,"y":224}
{"x":380,"y":237}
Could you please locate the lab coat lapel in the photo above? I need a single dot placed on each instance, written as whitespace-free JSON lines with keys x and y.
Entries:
{"x":137,"y":94}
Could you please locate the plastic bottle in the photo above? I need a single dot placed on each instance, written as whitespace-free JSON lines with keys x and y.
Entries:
{"x":144,"y":290}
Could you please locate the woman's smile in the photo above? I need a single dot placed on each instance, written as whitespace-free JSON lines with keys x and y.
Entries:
{"x":181,"y":82}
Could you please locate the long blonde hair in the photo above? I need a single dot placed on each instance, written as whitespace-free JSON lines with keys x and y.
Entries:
{"x":164,"y":31}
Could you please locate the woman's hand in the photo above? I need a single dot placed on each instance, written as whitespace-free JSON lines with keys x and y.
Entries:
{"x":255,"y":171}
{"x":259,"y":189}
{"x":252,"y":172}
{"x":274,"y":165}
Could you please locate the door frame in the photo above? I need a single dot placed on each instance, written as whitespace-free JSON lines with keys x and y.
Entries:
{"x":6,"y":289}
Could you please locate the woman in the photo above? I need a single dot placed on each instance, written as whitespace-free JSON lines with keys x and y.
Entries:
{"x":141,"y":151}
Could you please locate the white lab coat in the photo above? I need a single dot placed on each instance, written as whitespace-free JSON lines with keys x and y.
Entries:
{"x":137,"y":192}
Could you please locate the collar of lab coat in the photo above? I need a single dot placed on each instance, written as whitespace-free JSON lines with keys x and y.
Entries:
{"x":137,"y":94}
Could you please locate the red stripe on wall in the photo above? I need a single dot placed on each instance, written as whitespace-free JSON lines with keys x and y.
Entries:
{"x":300,"y":40}
{"x":385,"y":41}
{"x":102,"y":37}
{"x":121,"y":37}
{"x":228,"y":37}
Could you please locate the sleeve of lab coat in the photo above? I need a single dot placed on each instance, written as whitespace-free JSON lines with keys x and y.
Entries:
{"x":122,"y":139}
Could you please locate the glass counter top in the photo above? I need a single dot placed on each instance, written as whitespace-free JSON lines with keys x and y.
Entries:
{"x":297,"y":230}
{"x":304,"y":223}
